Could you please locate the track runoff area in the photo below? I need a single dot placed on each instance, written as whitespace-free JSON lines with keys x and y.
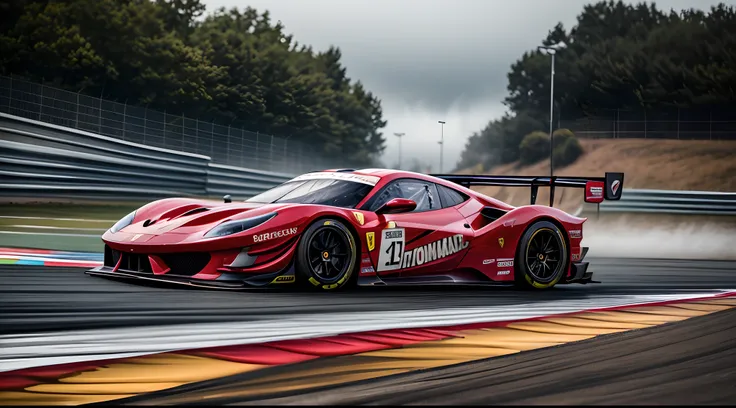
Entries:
{"x":69,"y":339}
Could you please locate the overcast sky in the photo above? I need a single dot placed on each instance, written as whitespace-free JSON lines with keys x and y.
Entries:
{"x":429,"y":60}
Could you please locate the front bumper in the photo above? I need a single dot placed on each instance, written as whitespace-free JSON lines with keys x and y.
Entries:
{"x":108,"y":272}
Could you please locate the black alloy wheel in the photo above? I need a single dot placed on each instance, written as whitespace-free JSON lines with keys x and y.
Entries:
{"x":327,"y":255}
{"x":542,"y":256}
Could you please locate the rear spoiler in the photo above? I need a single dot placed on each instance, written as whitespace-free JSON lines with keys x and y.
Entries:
{"x":597,"y":189}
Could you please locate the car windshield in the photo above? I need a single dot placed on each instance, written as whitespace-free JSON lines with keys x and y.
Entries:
{"x":338,"y":193}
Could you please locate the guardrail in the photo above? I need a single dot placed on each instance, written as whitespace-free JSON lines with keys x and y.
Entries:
{"x":41,"y":160}
{"x":673,"y":202}
{"x":240,"y":183}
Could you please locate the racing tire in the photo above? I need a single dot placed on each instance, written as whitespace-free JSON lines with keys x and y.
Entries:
{"x":327,"y":256}
{"x":541,"y":257}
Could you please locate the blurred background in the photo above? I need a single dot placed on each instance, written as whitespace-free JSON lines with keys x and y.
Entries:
{"x":108,"y":104}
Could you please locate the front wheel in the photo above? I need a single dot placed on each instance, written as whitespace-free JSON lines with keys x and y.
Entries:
{"x":541,"y":257}
{"x":327,"y":256}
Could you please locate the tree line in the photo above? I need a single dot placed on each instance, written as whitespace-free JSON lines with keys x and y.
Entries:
{"x":231,"y":66}
{"x":617,"y":56}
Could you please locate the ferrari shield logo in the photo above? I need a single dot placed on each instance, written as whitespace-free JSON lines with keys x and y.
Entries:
{"x":370,"y":239}
{"x":359,"y":217}
{"x":500,"y":242}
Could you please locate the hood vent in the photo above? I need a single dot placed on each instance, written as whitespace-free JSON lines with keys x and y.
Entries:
{"x":195,"y":211}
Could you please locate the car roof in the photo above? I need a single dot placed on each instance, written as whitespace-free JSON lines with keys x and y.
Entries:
{"x":378,"y":173}
{"x":373,"y":175}
{"x":381,"y":173}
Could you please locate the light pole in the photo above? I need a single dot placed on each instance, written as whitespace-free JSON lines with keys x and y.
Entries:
{"x":399,"y":135}
{"x":442,"y":141}
{"x":552,"y":50}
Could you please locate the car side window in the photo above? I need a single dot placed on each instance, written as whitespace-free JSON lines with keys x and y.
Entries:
{"x":450,"y":197}
{"x":423,"y":193}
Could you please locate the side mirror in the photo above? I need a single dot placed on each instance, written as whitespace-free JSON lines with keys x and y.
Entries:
{"x":397,"y":205}
{"x":227,"y":199}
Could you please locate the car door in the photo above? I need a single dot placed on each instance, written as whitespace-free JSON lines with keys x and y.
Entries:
{"x":426,"y":241}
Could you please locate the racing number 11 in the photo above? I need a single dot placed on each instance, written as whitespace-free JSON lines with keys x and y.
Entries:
{"x":394,"y":255}
{"x":392,"y":249}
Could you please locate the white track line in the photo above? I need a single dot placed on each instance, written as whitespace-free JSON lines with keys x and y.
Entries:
{"x":39,"y":349}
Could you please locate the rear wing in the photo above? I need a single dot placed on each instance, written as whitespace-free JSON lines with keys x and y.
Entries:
{"x":597,"y":189}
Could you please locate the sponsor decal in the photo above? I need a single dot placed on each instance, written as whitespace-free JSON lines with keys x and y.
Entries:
{"x":329,"y":175}
{"x":488,"y":261}
{"x":505,"y":263}
{"x":576,"y":233}
{"x":370,"y":239}
{"x":614,"y":186}
{"x":136,"y":236}
{"x":284,"y":279}
{"x":367,"y":270}
{"x":500,"y":242}
{"x":594,"y":192}
{"x":359,"y":217}
{"x":576,"y":257}
{"x":394,"y":256}
{"x":274,"y":234}
{"x":504,"y":273}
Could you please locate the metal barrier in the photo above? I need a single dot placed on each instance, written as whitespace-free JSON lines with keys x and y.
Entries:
{"x":44,"y":161}
{"x":240,"y":183}
{"x":225,"y":143}
{"x":673,"y":202}
{"x":41,"y":160}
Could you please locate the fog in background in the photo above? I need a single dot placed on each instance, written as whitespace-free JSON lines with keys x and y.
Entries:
{"x":429,"y":60}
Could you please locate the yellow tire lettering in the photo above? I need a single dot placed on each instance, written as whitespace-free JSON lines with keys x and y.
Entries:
{"x":313,"y":281}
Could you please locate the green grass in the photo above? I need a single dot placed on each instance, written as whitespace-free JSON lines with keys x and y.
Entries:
{"x":53,"y":210}
{"x":86,"y":222}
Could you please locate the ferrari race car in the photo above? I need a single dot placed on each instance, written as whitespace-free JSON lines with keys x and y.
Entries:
{"x":338,"y":228}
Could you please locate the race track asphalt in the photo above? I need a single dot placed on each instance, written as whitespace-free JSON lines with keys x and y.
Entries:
{"x":34,"y":299}
{"x":692,"y":362}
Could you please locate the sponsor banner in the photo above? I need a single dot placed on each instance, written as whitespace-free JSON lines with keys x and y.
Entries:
{"x":505,"y":262}
{"x":329,"y":175}
{"x":274,"y":234}
{"x":394,"y":256}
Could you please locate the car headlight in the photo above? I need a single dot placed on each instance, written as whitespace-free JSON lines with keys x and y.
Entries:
{"x":235,"y":226}
{"x":124,"y":222}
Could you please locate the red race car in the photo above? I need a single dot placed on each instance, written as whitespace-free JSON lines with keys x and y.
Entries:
{"x":338,"y":228}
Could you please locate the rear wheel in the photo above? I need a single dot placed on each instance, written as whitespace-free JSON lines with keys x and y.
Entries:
{"x":541,"y":258}
{"x":327,"y":256}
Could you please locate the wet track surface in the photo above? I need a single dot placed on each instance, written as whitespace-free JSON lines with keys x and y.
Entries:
{"x":36,"y":299}
{"x":689,"y":362}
